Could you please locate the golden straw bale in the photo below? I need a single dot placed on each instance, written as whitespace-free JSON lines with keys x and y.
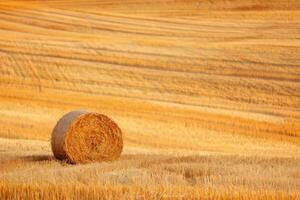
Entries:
{"x":83,"y":137}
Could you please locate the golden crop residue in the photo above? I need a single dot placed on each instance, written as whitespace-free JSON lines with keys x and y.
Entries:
{"x":206,"y":94}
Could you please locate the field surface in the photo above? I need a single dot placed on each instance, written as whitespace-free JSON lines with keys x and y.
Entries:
{"x":207,"y":94}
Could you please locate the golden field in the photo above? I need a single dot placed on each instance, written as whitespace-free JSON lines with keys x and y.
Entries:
{"x":207,"y":94}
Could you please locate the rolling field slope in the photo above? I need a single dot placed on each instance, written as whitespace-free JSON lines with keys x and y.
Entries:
{"x":207,"y":94}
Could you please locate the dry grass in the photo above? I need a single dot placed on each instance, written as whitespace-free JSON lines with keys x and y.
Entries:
{"x":206,"y":93}
{"x":72,"y":191}
{"x":29,"y":168}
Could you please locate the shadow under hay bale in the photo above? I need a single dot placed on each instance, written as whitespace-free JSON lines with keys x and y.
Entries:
{"x":82,"y":137}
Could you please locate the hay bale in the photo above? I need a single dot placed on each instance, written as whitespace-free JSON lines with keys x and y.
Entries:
{"x":82,"y":137}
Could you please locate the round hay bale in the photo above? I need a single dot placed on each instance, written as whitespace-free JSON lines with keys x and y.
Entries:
{"x":83,"y":137}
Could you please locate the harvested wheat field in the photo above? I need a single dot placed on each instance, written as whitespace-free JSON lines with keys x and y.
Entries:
{"x":206,"y":93}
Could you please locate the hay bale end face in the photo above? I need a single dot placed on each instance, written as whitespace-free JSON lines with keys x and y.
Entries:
{"x":83,"y":137}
